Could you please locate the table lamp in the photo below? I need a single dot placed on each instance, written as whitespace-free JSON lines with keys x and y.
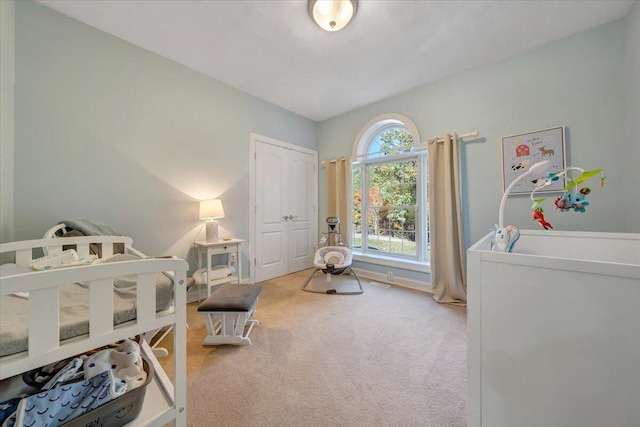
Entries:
{"x":210,"y":210}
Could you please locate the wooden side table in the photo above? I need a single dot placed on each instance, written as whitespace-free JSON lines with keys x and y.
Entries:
{"x":227,"y":247}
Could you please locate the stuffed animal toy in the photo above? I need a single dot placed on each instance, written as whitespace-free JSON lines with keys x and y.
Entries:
{"x":577,"y":202}
{"x":505,"y":238}
{"x":539,"y":216}
{"x":573,"y":201}
{"x":501,"y":240}
{"x":563,"y":203}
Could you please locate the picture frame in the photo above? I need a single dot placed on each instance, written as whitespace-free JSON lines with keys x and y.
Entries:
{"x":522,"y":150}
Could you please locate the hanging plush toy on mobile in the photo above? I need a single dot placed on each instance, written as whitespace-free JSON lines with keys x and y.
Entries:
{"x":573,"y":197}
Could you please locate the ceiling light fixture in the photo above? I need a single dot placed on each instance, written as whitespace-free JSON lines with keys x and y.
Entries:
{"x":332,"y":15}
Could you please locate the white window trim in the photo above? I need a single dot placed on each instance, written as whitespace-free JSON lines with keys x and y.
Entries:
{"x":371,"y":128}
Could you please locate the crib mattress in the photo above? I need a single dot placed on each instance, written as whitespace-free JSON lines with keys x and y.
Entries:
{"x":74,"y":310}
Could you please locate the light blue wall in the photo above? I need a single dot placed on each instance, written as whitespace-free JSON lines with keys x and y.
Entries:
{"x":577,"y":82}
{"x":7,"y":79}
{"x":632,"y":128}
{"x":110,"y":131}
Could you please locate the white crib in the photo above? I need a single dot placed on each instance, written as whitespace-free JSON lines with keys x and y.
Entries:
{"x":165,"y":401}
{"x":554,"y":331}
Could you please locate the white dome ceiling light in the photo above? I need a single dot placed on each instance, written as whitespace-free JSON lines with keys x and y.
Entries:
{"x":332,"y":15}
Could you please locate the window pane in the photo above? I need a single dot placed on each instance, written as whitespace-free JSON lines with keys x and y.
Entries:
{"x":357,"y":207}
{"x":392,"y":230}
{"x":391,"y":141}
{"x":393,"y":184}
{"x":391,"y":207}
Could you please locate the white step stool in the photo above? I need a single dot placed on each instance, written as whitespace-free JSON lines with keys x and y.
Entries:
{"x":227,"y":313}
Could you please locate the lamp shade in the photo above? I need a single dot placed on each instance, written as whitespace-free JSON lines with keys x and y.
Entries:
{"x":332,"y":15}
{"x":211,"y":209}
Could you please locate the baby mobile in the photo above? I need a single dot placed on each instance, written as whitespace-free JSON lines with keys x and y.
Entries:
{"x":573,"y":197}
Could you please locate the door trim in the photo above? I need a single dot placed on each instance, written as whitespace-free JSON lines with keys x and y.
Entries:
{"x":254,"y":139}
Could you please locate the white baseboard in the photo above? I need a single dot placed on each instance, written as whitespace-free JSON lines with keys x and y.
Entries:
{"x":397,"y":281}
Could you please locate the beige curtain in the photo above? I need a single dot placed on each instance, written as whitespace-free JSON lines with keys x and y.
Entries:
{"x":339,"y":195}
{"x":448,"y":266}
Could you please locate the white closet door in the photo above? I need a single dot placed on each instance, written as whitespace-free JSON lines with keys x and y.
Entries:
{"x":285,"y":211}
{"x":302,"y":208}
{"x":271,"y":199}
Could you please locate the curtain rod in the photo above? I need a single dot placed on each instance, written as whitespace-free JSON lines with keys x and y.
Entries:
{"x":420,"y":145}
{"x":464,"y":135}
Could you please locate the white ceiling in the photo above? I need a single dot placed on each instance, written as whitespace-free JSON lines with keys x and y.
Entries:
{"x":274,"y":51}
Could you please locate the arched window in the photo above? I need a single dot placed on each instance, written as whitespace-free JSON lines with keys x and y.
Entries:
{"x":389,"y":191}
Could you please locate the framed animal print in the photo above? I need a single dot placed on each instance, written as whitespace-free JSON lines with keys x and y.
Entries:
{"x":521,"y":151}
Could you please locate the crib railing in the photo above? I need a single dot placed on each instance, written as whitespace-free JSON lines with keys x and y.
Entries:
{"x":24,"y":250}
{"x":44,"y":345}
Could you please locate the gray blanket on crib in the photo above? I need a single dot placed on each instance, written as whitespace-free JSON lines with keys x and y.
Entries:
{"x":90,"y":227}
{"x":74,"y":309}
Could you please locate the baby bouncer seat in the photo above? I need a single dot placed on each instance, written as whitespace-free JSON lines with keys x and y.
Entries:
{"x":333,"y":261}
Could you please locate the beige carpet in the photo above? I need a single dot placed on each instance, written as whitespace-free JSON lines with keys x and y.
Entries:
{"x":389,"y":357}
